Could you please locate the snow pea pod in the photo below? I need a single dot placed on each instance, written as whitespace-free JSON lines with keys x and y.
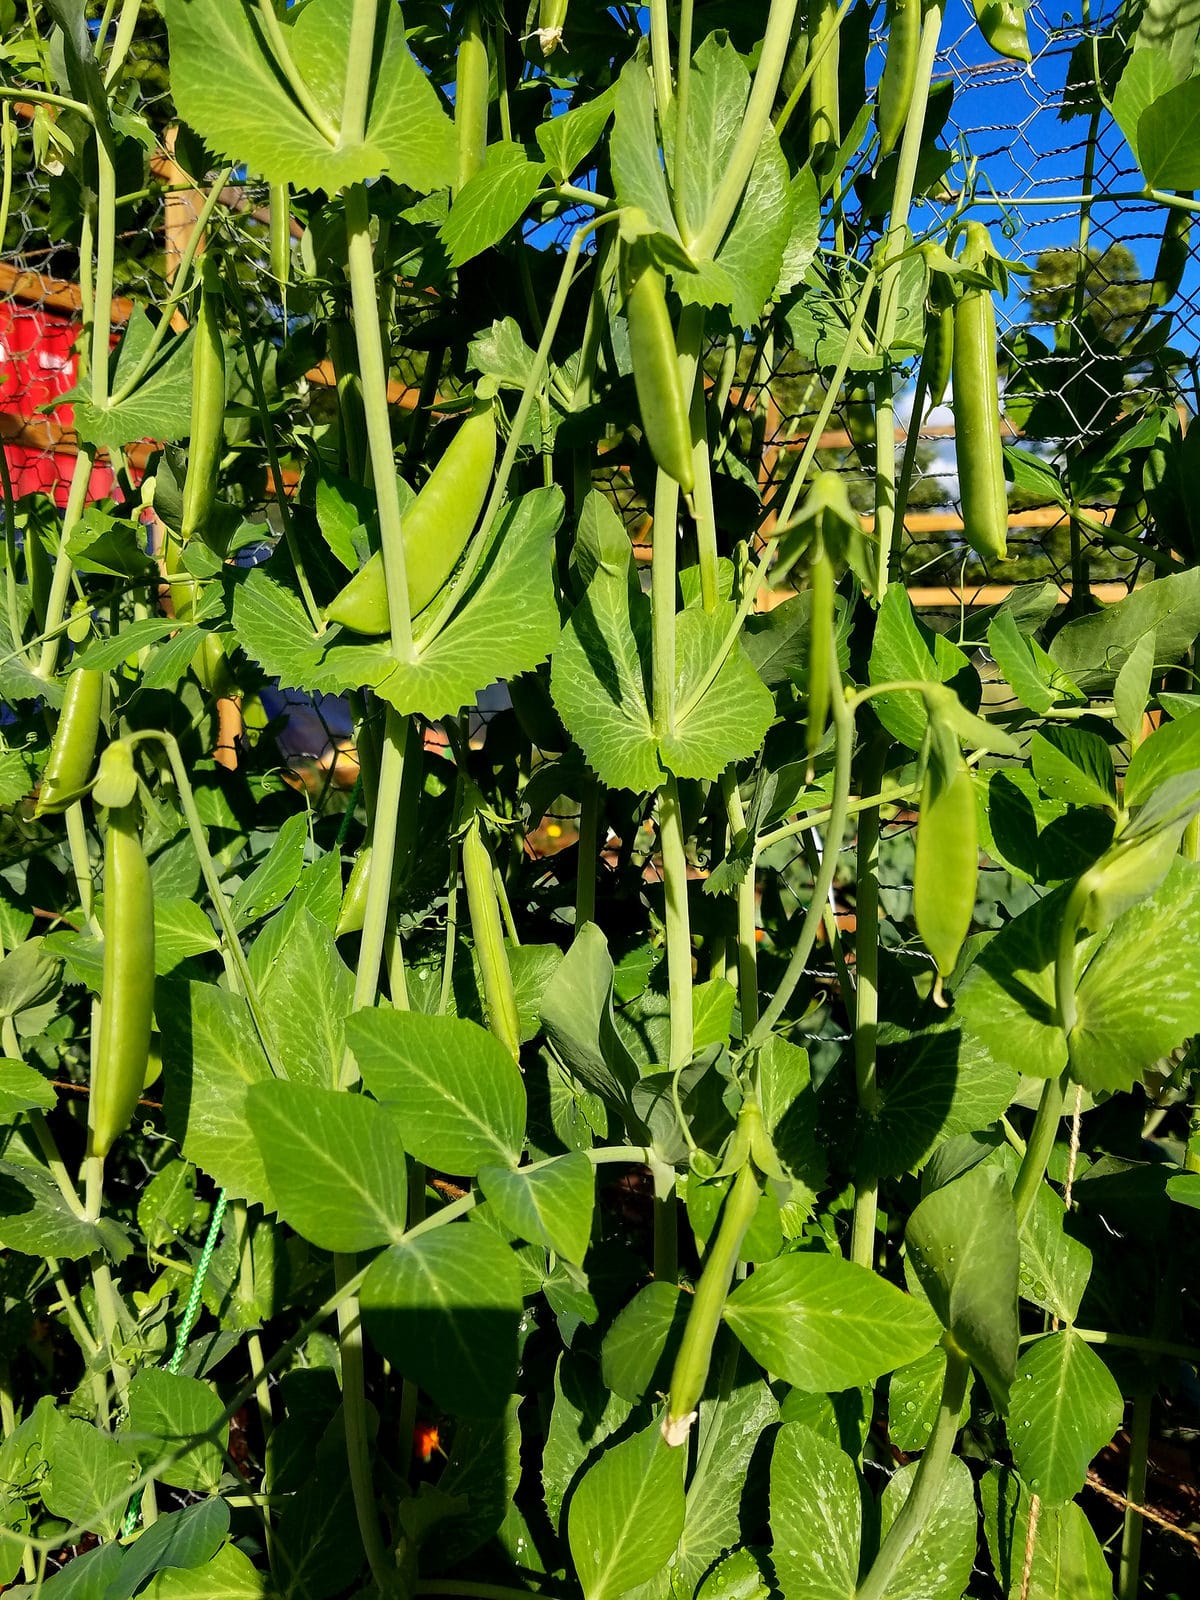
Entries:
{"x":127,"y":983}
{"x":661,"y":400}
{"x":824,"y":99}
{"x":899,"y":76}
{"x":1002,"y":23}
{"x":74,"y":748}
{"x":977,"y":445}
{"x":471,"y":84}
{"x":946,"y":871}
{"x":435,"y":530}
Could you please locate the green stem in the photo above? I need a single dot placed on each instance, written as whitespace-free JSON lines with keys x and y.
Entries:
{"x":358,"y":1439}
{"x":704,"y":1316}
{"x":1135,"y":1493}
{"x":40,"y":1129}
{"x":747,"y":909}
{"x":1038,"y":1149}
{"x":843,"y":722}
{"x":499,"y":997}
{"x":373,"y":369}
{"x":660,"y":57}
{"x":64,"y":567}
{"x":662,"y":600}
{"x":772,"y":58}
{"x":702,"y":500}
{"x":927,"y":1484}
{"x":678,"y":928}
{"x":305,"y":99}
{"x":126,"y":25}
{"x":866,"y":1004}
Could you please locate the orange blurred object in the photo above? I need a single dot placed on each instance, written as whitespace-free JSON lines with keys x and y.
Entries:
{"x":427,"y":1439}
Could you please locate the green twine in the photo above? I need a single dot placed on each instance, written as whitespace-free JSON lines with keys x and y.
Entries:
{"x":190,"y":1313}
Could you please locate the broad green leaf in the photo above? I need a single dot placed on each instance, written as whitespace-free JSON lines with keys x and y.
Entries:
{"x":444,"y":1308}
{"x":1065,"y":1409}
{"x":904,"y":647}
{"x":246,"y":113}
{"x":914,"y":1399}
{"x":937,"y":1564}
{"x":85,"y":1577}
{"x":626,"y":1515}
{"x":584,"y":1413}
{"x":549,"y":1205}
{"x":161,"y":405}
{"x":505,"y":624}
{"x":180,"y":1539}
{"x":1139,"y":996}
{"x":1092,"y":649}
{"x":276,"y":875}
{"x":1068,"y":1563}
{"x":230,"y":1575}
{"x":639,"y":1349}
{"x":566,"y":138}
{"x":740,"y":1576}
{"x":962,"y":1244}
{"x":633,"y":151}
{"x":1054,"y":1267}
{"x":273,"y":628}
{"x":35,"y":1220}
{"x":1184,"y":1188}
{"x":181,"y":930}
{"x":211,"y":1055}
{"x":1032,"y":675}
{"x":1170,"y":750}
{"x":1168,"y":138}
{"x":29,"y":977}
{"x":732,"y":1421}
{"x":577,"y":1013}
{"x":89,"y":1476}
{"x":461,"y":1093}
{"x":491,"y":203}
{"x":307,"y":996}
{"x":816,"y":1516}
{"x":22,"y":1088}
{"x":1074,"y":764}
{"x":335,"y":1162}
{"x":167,"y":1412}
{"x":1006,"y":1001}
{"x":1148,"y":75}
{"x":823,"y":1323}
{"x":167,"y":1205}
{"x":843,"y":1419}
{"x":1132,"y":688}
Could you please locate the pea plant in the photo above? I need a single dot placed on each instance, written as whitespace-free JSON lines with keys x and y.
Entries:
{"x":603,"y":1134}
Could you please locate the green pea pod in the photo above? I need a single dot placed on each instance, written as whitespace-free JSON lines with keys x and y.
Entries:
{"x":704,"y":1315}
{"x":74,"y":748}
{"x":1174,"y":252}
{"x":821,"y":648}
{"x":1002,"y":23}
{"x":435,"y":530}
{"x":661,"y":400}
{"x":207,"y":437}
{"x":472,"y":81}
{"x":824,"y":102}
{"x":858,"y":413}
{"x":499,"y":999}
{"x":354,"y":901}
{"x":977,"y":444}
{"x":946,"y":871}
{"x":552,"y":19}
{"x":899,"y":76}
{"x":127,"y":986}
{"x":939,"y":355}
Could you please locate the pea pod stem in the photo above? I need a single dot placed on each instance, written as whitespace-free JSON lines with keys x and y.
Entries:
{"x":704,"y":1315}
{"x":928,"y":1481}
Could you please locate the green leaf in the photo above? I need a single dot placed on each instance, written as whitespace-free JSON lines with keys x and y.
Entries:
{"x":549,"y":1205}
{"x":577,"y":1013}
{"x":823,"y":1323}
{"x":230,"y":1575}
{"x":740,"y":1576}
{"x":181,"y":1539}
{"x":1055,"y":1268}
{"x":1148,"y":75}
{"x":22,"y":1088}
{"x":35,"y":1219}
{"x":816,"y":1516}
{"x":461,"y":1092}
{"x":565,"y":139}
{"x":914,"y":1400}
{"x":1168,"y":138}
{"x":1139,"y":996}
{"x":1031,"y":674}
{"x":181,"y":930}
{"x":1065,"y":1409}
{"x":89,"y":1477}
{"x":335,"y":1162}
{"x":1074,"y":764}
{"x":168,"y":1411}
{"x":275,"y":876}
{"x":962,"y":1245}
{"x":1091,"y":650}
{"x":29,"y":977}
{"x":491,"y":203}
{"x":639,"y":1349}
{"x":904,"y":647}
{"x":1132,"y":688}
{"x":211,"y":1056}
{"x":247,"y":114}
{"x":307,"y":995}
{"x":1006,"y":1002}
{"x":444,"y":1309}
{"x":1068,"y":1563}
{"x":584,"y":1413}
{"x":506,"y":623}
{"x":1170,"y":750}
{"x":161,"y":405}
{"x":637,"y":170}
{"x":626,"y":1515}
{"x":102,"y":544}
{"x":273,"y":629}
{"x":937,"y":1564}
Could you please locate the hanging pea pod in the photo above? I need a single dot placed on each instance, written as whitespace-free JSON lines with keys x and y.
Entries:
{"x":472,"y":82}
{"x":499,"y":999}
{"x":435,"y":530}
{"x":977,"y":444}
{"x":946,"y":869}
{"x":822,"y":649}
{"x":899,"y":77}
{"x":354,"y":901}
{"x":939,"y":354}
{"x":661,"y":400}
{"x":858,"y":413}
{"x":74,"y":748}
{"x":127,"y":985}
{"x":824,"y":98}
{"x":552,"y":19}
{"x":206,"y":440}
{"x":1002,"y":23}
